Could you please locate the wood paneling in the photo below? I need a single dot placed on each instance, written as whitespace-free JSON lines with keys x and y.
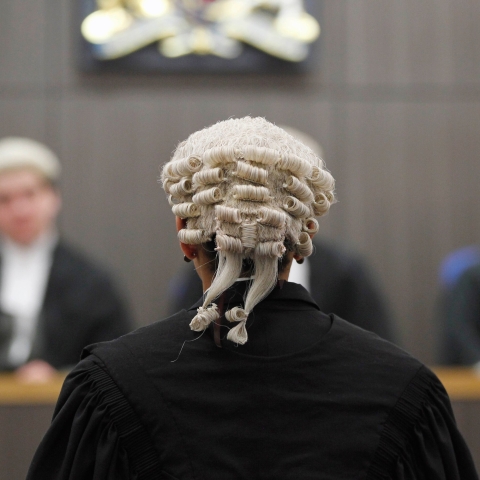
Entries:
{"x":23,"y":26}
{"x":24,"y":116}
{"x":399,"y":43}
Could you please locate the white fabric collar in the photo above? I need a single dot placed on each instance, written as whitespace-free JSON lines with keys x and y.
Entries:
{"x":25,"y":272}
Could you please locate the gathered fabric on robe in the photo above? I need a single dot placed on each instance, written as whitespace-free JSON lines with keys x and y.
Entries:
{"x":309,"y":396}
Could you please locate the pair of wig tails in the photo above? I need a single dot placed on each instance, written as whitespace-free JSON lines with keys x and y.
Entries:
{"x":229,"y":270}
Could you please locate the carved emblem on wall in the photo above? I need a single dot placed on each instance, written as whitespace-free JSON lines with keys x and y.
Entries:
{"x":226,"y":30}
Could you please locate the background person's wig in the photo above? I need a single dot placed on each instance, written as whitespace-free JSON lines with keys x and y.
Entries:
{"x":255,"y":189}
{"x":20,"y":152}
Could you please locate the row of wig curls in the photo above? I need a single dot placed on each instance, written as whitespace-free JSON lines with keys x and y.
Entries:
{"x":177,"y":183}
{"x":297,"y":204}
{"x":232,"y":250}
{"x":219,"y":156}
{"x":321,"y":180}
{"x":323,"y":186}
{"x":246,"y":242}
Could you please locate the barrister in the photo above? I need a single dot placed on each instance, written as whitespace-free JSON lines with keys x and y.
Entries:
{"x":53,"y":299}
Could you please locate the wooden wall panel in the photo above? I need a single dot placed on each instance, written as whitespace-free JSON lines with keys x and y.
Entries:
{"x":24,"y":116}
{"x":428,"y":221}
{"x":399,"y":43}
{"x":412,"y":43}
{"x":22,"y":37}
{"x":464,"y":16}
{"x":464,"y":137}
{"x":373,"y":195}
{"x":62,"y":40}
{"x":428,"y":31}
{"x":334,"y":44}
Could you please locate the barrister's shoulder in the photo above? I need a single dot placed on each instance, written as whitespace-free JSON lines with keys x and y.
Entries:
{"x":365,"y":348}
{"x":161,"y":338}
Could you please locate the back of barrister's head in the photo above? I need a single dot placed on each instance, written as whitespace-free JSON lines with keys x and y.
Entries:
{"x":19,"y":152}
{"x":255,"y":189}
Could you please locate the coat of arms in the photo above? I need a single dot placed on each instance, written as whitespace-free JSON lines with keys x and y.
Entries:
{"x":282,"y":29}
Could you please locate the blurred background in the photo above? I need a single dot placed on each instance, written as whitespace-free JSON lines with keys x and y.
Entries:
{"x":394,"y":99}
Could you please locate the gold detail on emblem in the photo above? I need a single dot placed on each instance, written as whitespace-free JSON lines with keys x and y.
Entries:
{"x":104,"y":24}
{"x":281,"y":28}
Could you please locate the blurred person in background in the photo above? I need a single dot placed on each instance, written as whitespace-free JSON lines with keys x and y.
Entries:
{"x":338,"y":279}
{"x":459,"y":307}
{"x":53,"y":300}
{"x":254,"y":381}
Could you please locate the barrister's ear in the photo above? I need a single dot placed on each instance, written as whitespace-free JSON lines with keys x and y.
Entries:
{"x":190,"y":251}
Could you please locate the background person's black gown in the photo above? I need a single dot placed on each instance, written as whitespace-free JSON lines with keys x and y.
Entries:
{"x":308,"y":397}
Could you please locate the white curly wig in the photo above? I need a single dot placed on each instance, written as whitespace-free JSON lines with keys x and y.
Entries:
{"x":255,"y":190}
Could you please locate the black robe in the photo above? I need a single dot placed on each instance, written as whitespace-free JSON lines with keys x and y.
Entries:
{"x":82,"y":305}
{"x":309,"y":396}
